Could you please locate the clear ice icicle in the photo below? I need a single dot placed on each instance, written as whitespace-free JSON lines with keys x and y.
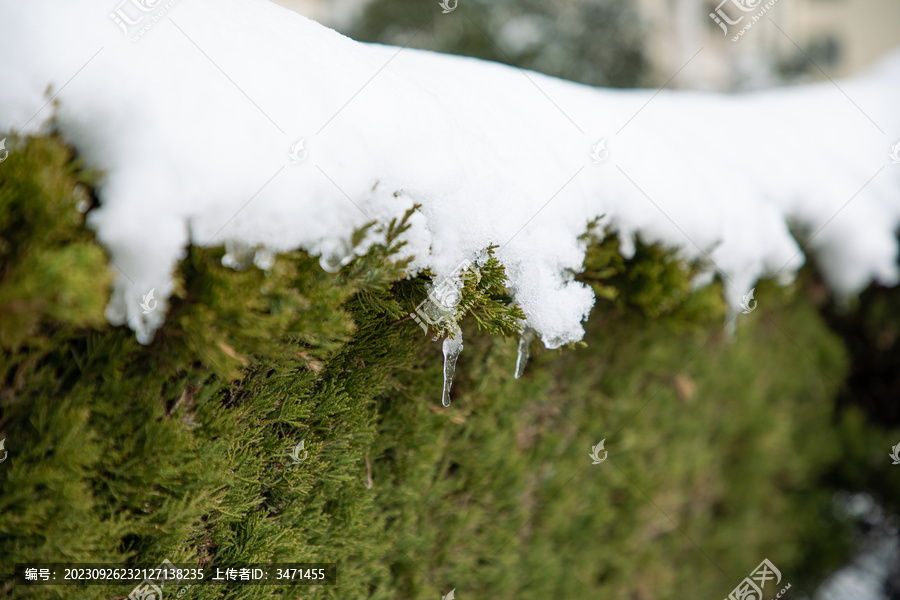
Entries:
{"x":342,"y":258}
{"x":525,"y":340}
{"x":334,"y":264}
{"x":731,"y":324}
{"x":453,"y":345}
{"x":238,"y":256}
{"x":264,"y":259}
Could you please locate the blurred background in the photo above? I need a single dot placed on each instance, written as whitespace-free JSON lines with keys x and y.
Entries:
{"x":641,"y":43}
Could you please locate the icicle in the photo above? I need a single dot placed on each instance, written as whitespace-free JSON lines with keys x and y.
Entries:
{"x":264,"y":259}
{"x":333,"y":265}
{"x":746,"y":306}
{"x":453,"y":345}
{"x":525,"y":340}
{"x":730,"y":328}
{"x":238,"y":255}
{"x":342,"y":258}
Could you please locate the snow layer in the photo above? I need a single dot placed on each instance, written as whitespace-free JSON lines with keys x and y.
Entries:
{"x":194,"y":121}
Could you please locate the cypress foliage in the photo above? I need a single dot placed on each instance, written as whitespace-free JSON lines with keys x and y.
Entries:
{"x":123,"y":453}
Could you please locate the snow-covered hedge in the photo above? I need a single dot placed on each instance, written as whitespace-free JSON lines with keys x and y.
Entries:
{"x":195,"y":112}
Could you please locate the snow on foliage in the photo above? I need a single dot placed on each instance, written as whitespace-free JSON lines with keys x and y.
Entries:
{"x":194,"y":111}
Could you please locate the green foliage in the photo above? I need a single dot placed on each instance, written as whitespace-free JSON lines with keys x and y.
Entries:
{"x":124,"y":453}
{"x":483,"y":296}
{"x":48,"y":266}
{"x":872,"y":334}
{"x":653,"y":284}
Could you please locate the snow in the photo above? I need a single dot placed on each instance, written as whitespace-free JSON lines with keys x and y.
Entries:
{"x":195,"y":121}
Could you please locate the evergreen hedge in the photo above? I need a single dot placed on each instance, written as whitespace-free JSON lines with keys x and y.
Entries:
{"x":123,"y":453}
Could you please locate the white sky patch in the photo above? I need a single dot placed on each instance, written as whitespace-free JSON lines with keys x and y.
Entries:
{"x":194,"y":124}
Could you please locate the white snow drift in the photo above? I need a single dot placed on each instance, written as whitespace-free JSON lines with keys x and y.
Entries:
{"x":194,"y":123}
